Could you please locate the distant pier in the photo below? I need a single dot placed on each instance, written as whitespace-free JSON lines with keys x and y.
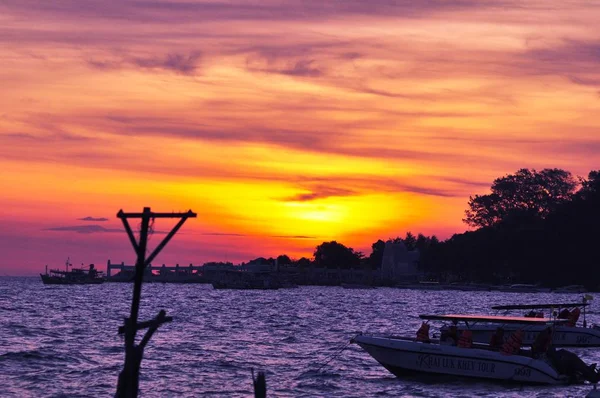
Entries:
{"x":399,"y":265}
{"x":160,"y":274}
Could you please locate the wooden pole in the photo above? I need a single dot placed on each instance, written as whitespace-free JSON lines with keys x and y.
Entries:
{"x":128,"y":383}
{"x":260,"y":385}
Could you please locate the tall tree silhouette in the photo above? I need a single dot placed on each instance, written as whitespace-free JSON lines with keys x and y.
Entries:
{"x":410,"y":241}
{"x":376,"y":256}
{"x":335,"y":255}
{"x":283,"y":259}
{"x":527,"y":194}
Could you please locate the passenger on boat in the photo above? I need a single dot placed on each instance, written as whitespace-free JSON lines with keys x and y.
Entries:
{"x":497,"y":339}
{"x":533,"y":314}
{"x":542,"y":343}
{"x":423,"y":333}
{"x":450,"y":334}
{"x":466,"y":339}
{"x":512,"y":346}
{"x":564,"y":314}
{"x":573,"y":317}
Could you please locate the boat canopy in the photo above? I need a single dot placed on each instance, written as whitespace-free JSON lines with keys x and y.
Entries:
{"x":539,"y":306}
{"x":491,"y":319}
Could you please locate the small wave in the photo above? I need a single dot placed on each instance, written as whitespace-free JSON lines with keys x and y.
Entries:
{"x":28,"y":355}
{"x":45,"y":357}
{"x":317,"y":374}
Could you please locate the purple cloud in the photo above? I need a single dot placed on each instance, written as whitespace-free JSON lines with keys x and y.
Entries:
{"x":320,"y":192}
{"x":302,"y":68}
{"x":97,"y":219}
{"x":173,"y":11}
{"x":185,"y":64}
{"x":85,"y":229}
{"x":92,"y":229}
{"x":294,"y":237}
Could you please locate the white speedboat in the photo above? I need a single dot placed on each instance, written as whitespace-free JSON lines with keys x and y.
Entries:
{"x":423,"y":285}
{"x":523,"y":288}
{"x":570,"y":289}
{"x":356,"y":286}
{"x":564,"y":335}
{"x":405,"y":355}
{"x":468,"y":287}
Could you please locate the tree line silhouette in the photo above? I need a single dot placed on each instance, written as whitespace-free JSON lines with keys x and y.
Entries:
{"x":533,"y":227}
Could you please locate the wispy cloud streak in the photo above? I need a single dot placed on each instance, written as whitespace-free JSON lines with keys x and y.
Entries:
{"x":285,"y":122}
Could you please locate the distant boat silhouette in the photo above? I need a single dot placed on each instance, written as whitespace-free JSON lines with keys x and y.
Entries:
{"x":356,"y":286}
{"x":76,"y":276}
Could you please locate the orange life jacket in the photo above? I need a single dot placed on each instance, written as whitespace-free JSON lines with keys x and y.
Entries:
{"x":513,"y":344}
{"x":423,"y":332}
{"x":574,"y":316}
{"x":466,"y":339}
{"x":564,"y":314}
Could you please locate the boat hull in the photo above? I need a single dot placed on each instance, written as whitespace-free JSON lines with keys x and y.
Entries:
{"x":53,"y":280}
{"x":400,"y":356}
{"x":564,"y":336}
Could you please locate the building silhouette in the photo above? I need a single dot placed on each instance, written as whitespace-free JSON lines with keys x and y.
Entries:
{"x":399,"y":264}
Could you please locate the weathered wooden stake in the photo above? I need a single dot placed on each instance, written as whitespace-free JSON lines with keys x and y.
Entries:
{"x":260,"y":385}
{"x":128,"y":383}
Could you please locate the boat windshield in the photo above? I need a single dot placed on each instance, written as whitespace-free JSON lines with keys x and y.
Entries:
{"x":491,"y":319}
{"x":539,"y":306}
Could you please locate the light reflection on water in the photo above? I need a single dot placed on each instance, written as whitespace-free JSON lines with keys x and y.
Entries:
{"x":62,"y":340}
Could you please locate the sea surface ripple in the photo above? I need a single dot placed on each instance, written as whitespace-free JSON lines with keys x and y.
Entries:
{"x":61,"y":341}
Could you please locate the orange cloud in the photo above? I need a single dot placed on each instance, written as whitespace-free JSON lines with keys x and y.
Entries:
{"x":282,"y":125}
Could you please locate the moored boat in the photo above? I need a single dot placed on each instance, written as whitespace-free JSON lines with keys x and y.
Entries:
{"x":468,"y":287}
{"x":405,"y":355}
{"x":422,"y":285}
{"x":75,"y":276}
{"x":570,"y":289}
{"x":356,"y":286}
{"x":522,"y":288}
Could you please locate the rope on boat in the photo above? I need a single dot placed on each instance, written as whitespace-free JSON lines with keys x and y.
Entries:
{"x":336,"y":354}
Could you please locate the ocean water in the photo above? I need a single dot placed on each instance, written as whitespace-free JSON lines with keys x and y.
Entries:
{"x":62,"y":341}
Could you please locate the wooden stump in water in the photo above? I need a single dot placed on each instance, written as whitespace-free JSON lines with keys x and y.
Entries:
{"x":260,"y":385}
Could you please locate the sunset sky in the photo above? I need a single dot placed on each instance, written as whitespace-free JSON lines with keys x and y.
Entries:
{"x":283,"y":124}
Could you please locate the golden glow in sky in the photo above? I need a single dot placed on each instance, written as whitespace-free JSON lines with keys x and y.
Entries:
{"x":282,"y":124}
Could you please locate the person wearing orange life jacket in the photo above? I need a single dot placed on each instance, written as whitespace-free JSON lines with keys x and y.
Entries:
{"x":513,"y":344}
{"x":573,"y":317}
{"x":423,"y":333}
{"x":466,"y":339}
{"x":449,"y":335}
{"x":497,"y":339}
{"x":564,"y":314}
{"x":452,"y":334}
{"x":542,"y":343}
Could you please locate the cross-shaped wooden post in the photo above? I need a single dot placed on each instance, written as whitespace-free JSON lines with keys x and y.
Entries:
{"x":128,"y":383}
